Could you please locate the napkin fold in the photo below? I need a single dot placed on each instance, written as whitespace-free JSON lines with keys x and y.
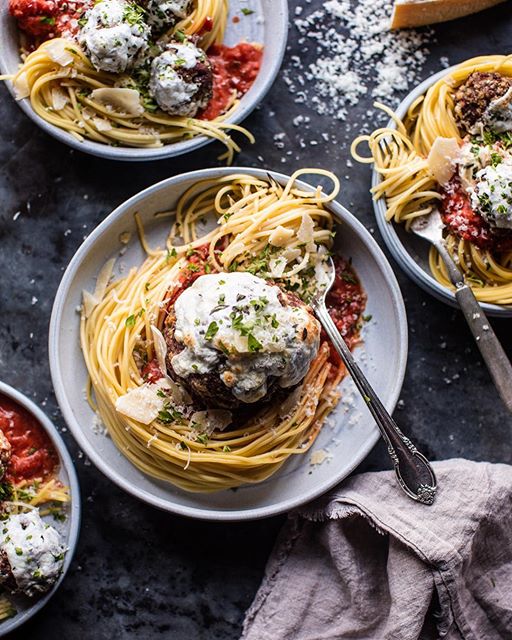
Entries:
{"x":366,"y":562}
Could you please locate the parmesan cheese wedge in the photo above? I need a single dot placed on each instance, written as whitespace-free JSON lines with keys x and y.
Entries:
{"x":121,"y":99}
{"x":417,"y":13}
{"x":442,"y":159}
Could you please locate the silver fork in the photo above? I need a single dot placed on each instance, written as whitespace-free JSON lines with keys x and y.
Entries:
{"x":413,"y":471}
{"x":430,"y":227}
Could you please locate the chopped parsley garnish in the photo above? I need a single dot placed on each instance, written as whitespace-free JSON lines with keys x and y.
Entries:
{"x":169,"y":414}
{"x":19,"y":551}
{"x":253,"y":343}
{"x":275,"y":322}
{"x":247,"y":12}
{"x":180,"y":36}
{"x":171,"y":254}
{"x":226,"y":448}
{"x":47,"y":20}
{"x":130,"y":321}
{"x":213,"y":327}
{"x":202,"y":438}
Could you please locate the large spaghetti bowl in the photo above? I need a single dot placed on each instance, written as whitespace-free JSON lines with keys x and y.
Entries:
{"x":346,"y":438}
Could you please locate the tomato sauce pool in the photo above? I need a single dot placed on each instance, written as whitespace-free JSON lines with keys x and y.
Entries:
{"x":234,"y":71}
{"x":346,"y":302}
{"x":33,"y":454}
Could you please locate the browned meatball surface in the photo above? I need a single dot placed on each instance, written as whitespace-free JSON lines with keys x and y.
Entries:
{"x":474,"y":96}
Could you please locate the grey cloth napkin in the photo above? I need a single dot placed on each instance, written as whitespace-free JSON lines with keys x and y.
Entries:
{"x":366,"y":562}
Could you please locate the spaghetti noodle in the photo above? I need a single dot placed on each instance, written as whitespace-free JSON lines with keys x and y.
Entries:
{"x":118,"y":329}
{"x":62,"y":85}
{"x":400,"y":154}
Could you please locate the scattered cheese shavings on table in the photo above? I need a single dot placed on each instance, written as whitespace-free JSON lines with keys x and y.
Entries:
{"x":357,"y":55}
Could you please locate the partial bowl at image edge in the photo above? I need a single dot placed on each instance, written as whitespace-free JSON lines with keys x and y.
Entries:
{"x":9,"y":625}
{"x":276,"y":33}
{"x":403,"y":257}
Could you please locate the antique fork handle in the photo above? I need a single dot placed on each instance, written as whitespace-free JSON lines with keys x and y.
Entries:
{"x":413,"y":471}
{"x":487,"y":341}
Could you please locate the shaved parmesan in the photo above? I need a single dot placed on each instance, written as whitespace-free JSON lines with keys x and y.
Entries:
{"x":306,"y":230}
{"x":103,"y":279}
{"x":211,"y":420}
{"x":89,"y":301}
{"x":179,"y":395}
{"x":276,"y":266}
{"x":121,"y":99}
{"x":291,"y":254}
{"x":442,"y":159}
{"x":280,"y":236}
{"x":160,"y":348}
{"x":101,"y":124}
{"x":58,"y":52}
{"x":143,"y":403}
{"x":317,"y":457}
{"x":59,"y":99}
{"x":21,"y":86}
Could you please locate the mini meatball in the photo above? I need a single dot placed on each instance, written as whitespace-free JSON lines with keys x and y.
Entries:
{"x":164,"y":14}
{"x":474,"y":97}
{"x":31,"y":554}
{"x":233,"y":339}
{"x":181,"y":79}
{"x":114,"y":35}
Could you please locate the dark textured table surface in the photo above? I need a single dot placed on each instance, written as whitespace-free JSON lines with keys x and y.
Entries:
{"x":138,"y":572}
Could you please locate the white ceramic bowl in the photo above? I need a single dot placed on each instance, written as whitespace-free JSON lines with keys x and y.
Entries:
{"x":69,"y":529}
{"x":268,"y":25}
{"x":409,"y":251}
{"x":349,"y":437}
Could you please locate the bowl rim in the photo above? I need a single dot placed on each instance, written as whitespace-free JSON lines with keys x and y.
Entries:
{"x":405,"y":260}
{"x":75,"y":514}
{"x":248,"y":103}
{"x":74,"y":425}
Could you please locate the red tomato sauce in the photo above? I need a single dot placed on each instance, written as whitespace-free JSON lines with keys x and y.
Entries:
{"x":45,"y":19}
{"x":234,"y":71}
{"x":33,"y":454}
{"x":466,"y":223}
{"x":346,"y":302}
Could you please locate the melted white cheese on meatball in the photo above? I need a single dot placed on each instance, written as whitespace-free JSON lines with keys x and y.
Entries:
{"x":492,"y":194}
{"x":235,"y":323}
{"x":171,"y":90}
{"x":34,"y":551}
{"x":163,"y":13}
{"x":114,"y":34}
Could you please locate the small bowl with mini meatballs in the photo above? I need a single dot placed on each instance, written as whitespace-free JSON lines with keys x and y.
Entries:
{"x":40,"y":509}
{"x":142,"y":79}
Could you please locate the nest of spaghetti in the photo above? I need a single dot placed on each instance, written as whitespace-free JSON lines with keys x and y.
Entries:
{"x":207,"y":366}
{"x":133,"y":74}
{"x":453,"y":152}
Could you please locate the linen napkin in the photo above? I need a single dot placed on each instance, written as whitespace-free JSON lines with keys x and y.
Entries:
{"x":366,"y":562}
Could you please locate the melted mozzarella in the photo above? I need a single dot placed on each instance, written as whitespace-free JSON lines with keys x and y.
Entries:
{"x":492,"y":194}
{"x":112,"y":35}
{"x":163,"y":13}
{"x":235,"y":324}
{"x":34,"y":551}
{"x":171,"y":90}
